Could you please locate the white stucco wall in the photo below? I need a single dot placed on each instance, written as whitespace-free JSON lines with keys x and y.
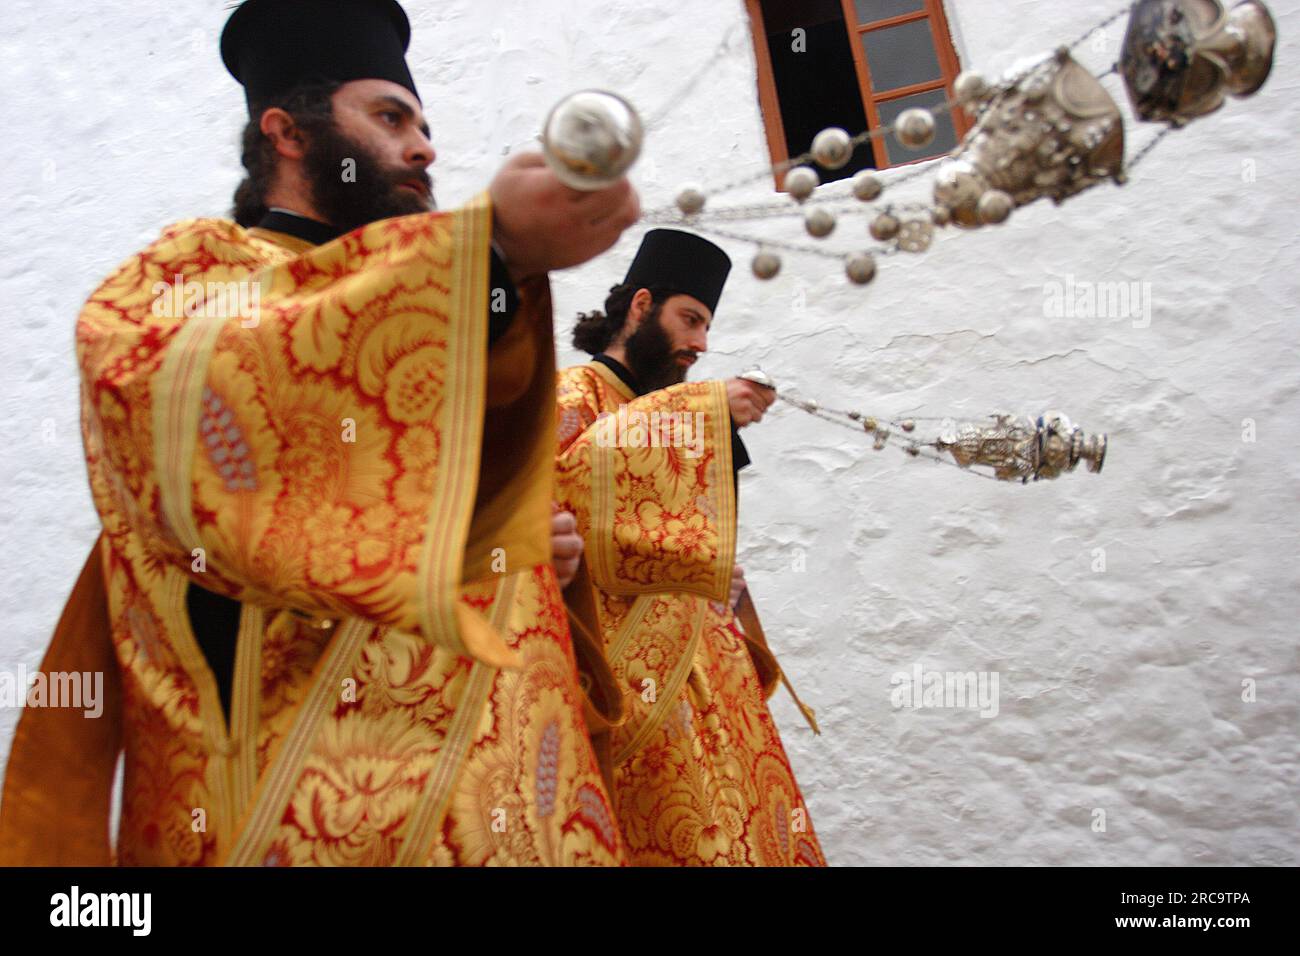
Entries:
{"x":1121,"y":690}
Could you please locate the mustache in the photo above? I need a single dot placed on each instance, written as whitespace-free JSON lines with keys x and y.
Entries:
{"x":420,"y":176}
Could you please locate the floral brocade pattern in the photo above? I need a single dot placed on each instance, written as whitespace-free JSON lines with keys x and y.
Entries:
{"x":529,"y":784}
{"x":660,"y":501}
{"x":318,"y":433}
{"x":704,"y":779}
{"x":320,"y":443}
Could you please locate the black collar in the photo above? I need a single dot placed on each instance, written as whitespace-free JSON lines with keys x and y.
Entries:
{"x":300,"y":227}
{"x":622,"y":371}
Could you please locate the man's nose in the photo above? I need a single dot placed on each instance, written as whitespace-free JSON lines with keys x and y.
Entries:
{"x":698,"y":341}
{"x":420,"y":152}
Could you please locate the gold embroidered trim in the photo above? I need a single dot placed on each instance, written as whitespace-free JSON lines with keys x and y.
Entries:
{"x":607,"y":373}
{"x":635,"y":615}
{"x":177,"y":390}
{"x":724,"y":481}
{"x":431,"y":807}
{"x":286,"y":767}
{"x":668,"y":695}
{"x":245,"y":707}
{"x":443,"y":554}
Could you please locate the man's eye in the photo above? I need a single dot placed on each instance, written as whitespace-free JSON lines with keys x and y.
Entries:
{"x":392,"y":117}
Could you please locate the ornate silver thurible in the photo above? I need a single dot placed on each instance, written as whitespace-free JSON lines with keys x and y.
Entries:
{"x":1024,"y":449}
{"x":1013,"y":449}
{"x":1182,"y":58}
{"x":1054,"y":133}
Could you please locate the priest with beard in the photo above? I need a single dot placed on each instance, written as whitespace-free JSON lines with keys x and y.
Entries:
{"x":647,"y":463}
{"x":323,"y":598}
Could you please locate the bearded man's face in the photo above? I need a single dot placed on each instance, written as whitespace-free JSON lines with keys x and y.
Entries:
{"x":372,"y":163}
{"x":668,"y":341}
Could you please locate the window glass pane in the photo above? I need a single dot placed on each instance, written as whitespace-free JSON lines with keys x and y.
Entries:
{"x":945,"y":136}
{"x":900,"y":56}
{"x":871,"y":10}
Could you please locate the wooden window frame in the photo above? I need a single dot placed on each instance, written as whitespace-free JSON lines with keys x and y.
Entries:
{"x":945,"y":52}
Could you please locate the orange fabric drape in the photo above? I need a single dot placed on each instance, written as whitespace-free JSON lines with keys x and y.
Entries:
{"x":59,"y":779}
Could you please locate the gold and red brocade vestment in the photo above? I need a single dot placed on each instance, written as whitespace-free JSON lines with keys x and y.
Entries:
{"x":356,"y":457}
{"x":700,"y":774}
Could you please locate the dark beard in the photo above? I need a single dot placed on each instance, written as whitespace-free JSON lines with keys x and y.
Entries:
{"x":650,"y":355}
{"x":371,"y":195}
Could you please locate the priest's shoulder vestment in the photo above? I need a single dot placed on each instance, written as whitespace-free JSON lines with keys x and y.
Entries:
{"x":352,"y":464}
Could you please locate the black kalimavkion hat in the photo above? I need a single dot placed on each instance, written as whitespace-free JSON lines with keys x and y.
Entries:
{"x":680,"y":261}
{"x":270,"y":46}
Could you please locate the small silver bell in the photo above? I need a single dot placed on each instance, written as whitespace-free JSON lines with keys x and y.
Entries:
{"x":690,"y":199}
{"x":970,"y":88}
{"x":914,"y":128}
{"x":831,"y":148}
{"x":866,"y":186}
{"x":766,"y":264}
{"x":800,"y":182}
{"x":860,"y":267}
{"x":819,"y":221}
{"x":885,"y":227}
{"x":994,"y":207}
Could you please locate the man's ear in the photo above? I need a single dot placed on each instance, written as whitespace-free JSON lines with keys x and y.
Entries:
{"x":278,"y":126}
{"x":639,"y":307}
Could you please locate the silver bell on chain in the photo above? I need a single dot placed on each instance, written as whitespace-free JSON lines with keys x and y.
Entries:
{"x":832,"y":148}
{"x":800,"y":182}
{"x":819,"y":221}
{"x":914,"y":128}
{"x":860,"y":267}
{"x":766,"y":264}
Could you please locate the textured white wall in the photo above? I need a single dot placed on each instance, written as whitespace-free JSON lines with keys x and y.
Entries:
{"x":1120,"y":690}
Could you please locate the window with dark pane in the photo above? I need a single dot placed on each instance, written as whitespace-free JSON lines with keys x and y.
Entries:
{"x":856,"y":64}
{"x":816,"y":85}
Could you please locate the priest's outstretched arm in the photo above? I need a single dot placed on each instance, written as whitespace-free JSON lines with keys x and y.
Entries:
{"x":324,"y":454}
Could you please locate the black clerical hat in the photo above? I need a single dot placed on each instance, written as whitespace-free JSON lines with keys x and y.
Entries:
{"x":680,"y":261}
{"x":270,"y":46}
